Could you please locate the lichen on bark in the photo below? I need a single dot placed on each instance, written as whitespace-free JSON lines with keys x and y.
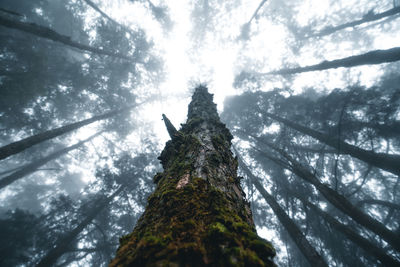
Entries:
{"x":198,"y":215}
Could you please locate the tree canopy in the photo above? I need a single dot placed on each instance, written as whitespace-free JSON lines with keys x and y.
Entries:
{"x":310,"y":91}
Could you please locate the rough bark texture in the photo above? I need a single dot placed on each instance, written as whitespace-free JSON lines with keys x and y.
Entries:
{"x":63,"y":245}
{"x":21,"y":145}
{"x":308,"y":251}
{"x":369,"y":58}
{"x":198,"y":215}
{"x":50,"y":34}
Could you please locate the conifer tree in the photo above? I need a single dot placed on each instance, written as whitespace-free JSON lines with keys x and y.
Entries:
{"x":198,"y":215}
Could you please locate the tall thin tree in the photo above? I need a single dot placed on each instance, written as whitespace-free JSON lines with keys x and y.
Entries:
{"x":309,"y":252}
{"x":32,"y":167}
{"x":21,"y":145}
{"x":47,"y":33}
{"x":387,"y":162}
{"x":63,"y":245}
{"x":369,"y":58}
{"x":335,"y":198}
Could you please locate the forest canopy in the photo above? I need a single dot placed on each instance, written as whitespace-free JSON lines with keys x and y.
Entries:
{"x":310,"y":91}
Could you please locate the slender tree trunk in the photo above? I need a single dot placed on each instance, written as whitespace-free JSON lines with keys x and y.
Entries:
{"x":50,"y":34}
{"x":369,"y":58}
{"x":312,"y":149}
{"x":10,"y":12}
{"x":10,"y":170}
{"x":387,"y":162}
{"x":297,"y":236}
{"x":246,"y":27}
{"x":336,"y":199}
{"x":197,"y":215}
{"x":32,"y":167}
{"x":357,"y":239}
{"x":101,"y":12}
{"x":389,"y":130}
{"x":379,"y":202}
{"x":256,"y":11}
{"x":366,"y":18}
{"x":18,"y":146}
{"x":63,"y":245}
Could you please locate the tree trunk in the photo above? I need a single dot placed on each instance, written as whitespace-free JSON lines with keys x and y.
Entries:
{"x":198,"y":215}
{"x":308,"y":251}
{"x":63,"y":245}
{"x":95,"y":7}
{"x":18,"y":146}
{"x":369,"y":58}
{"x":50,"y":34}
{"x":31,"y":167}
{"x":338,"y":200}
{"x":357,"y":239}
{"x":366,"y":18}
{"x":256,"y":11}
{"x":387,"y":162}
{"x":379,"y":202}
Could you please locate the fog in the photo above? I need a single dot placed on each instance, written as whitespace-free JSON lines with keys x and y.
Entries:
{"x":310,"y":90}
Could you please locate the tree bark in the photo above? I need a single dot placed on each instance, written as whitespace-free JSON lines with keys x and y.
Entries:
{"x":357,"y":239}
{"x":366,"y":18}
{"x":170,"y":127}
{"x":50,"y":34}
{"x":387,"y":162}
{"x":337,"y":200}
{"x":198,"y":215}
{"x":297,"y":236}
{"x":63,"y":245}
{"x":18,"y":146}
{"x":32,"y":167}
{"x":369,"y":58}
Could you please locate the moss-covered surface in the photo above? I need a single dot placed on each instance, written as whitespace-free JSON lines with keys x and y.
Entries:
{"x":192,"y":226}
{"x":198,"y":215}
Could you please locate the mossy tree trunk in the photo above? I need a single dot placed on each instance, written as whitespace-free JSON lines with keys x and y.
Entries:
{"x":198,"y":215}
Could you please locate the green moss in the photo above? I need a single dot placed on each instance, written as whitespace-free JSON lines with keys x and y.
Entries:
{"x":194,"y":225}
{"x":124,"y":239}
{"x":218,"y":227}
{"x":262,"y":248}
{"x":157,"y":177}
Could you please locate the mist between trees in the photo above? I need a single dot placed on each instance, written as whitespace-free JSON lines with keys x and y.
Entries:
{"x":300,"y":168}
